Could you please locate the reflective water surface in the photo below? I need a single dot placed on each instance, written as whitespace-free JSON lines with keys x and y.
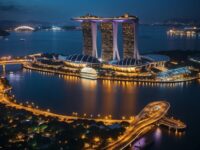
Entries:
{"x":151,"y":39}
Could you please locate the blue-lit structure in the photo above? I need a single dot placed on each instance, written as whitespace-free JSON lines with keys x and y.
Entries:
{"x":174,"y":73}
{"x":128,"y":62}
{"x":156,"y":58}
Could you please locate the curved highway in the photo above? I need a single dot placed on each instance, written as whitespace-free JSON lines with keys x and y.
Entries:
{"x":144,"y":122}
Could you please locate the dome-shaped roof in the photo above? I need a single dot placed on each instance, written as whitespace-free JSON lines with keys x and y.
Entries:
{"x":79,"y":58}
{"x":129,"y":62}
{"x":88,"y":70}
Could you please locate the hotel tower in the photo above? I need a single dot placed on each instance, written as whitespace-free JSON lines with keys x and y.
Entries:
{"x":109,"y":36}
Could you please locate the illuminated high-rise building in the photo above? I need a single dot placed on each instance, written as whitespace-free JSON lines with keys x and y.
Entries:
{"x":87,"y":38}
{"x":109,"y":33}
{"x":130,"y":47}
{"x":89,"y":30}
{"x":107,"y":41}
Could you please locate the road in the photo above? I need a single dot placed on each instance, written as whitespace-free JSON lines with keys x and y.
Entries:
{"x":143,"y":123}
{"x":172,"y":123}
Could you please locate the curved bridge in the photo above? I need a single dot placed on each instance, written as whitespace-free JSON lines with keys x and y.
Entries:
{"x":145,"y":121}
{"x":24,"y":28}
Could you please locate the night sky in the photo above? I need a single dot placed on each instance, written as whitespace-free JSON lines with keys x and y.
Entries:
{"x":62,"y":10}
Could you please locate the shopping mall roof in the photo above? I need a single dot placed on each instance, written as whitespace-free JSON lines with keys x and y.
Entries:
{"x":79,"y":58}
{"x":156,"y":57}
{"x":129,"y":62}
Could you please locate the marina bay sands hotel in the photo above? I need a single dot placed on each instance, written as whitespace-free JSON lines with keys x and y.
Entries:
{"x":109,"y":34}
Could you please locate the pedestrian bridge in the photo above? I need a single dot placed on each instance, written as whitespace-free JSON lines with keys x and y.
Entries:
{"x":12,"y":62}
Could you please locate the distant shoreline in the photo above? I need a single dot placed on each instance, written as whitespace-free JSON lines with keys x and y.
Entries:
{"x":4,"y":33}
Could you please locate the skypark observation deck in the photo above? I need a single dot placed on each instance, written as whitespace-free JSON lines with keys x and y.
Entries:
{"x":90,"y":18}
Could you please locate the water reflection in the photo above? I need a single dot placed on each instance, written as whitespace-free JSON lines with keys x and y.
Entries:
{"x":199,"y":80}
{"x":89,"y":101}
{"x":14,"y":77}
{"x":158,"y":135}
{"x":129,"y":98}
{"x":71,"y":79}
{"x":108,"y":96}
{"x":141,"y":143}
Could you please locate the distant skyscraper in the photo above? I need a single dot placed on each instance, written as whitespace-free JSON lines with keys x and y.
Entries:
{"x":107,"y":41}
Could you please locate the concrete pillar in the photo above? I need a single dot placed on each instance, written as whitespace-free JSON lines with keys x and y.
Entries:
{"x":115,"y":42}
{"x":94,"y":39}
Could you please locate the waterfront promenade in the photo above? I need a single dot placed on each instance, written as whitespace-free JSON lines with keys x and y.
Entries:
{"x":5,"y":99}
{"x":27,"y":63}
{"x":29,"y":66}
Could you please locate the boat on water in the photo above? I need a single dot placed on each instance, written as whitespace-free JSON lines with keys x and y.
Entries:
{"x":22,"y":39}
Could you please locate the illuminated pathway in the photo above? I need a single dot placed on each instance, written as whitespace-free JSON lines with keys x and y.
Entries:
{"x":6,"y":100}
{"x":54,"y":71}
{"x":27,"y":63}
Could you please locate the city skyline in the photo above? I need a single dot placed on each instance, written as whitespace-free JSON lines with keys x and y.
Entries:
{"x":59,"y":11}
{"x":99,"y":74}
